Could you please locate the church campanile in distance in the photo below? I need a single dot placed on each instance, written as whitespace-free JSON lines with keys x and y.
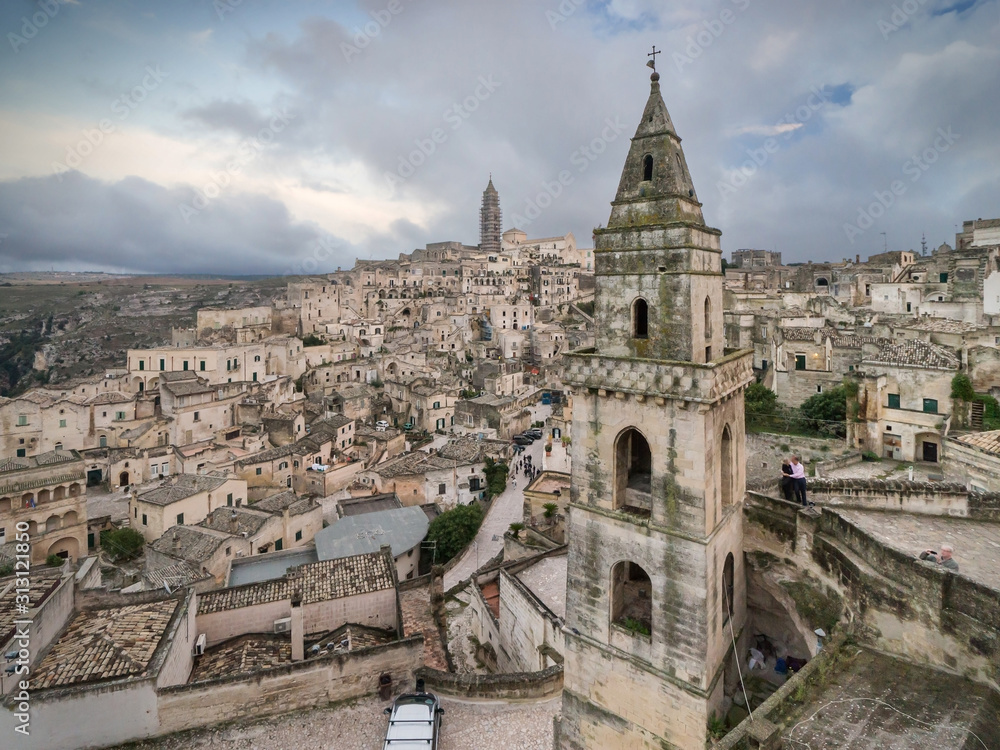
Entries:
{"x":655,"y":592}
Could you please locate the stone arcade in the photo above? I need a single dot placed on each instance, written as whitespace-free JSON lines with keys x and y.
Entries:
{"x":655,"y":590}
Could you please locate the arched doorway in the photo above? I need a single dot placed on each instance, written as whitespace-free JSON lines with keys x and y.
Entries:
{"x":123,"y":479}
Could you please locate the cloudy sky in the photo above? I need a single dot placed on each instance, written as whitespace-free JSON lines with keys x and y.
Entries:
{"x":282,"y":136}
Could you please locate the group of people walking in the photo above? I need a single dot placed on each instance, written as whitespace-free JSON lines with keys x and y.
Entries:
{"x":793,"y":480}
{"x":524,"y":466}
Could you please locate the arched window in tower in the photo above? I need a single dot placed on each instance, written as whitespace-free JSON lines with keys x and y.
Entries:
{"x":728,"y":589}
{"x":708,"y":329}
{"x":633,"y":474}
{"x":640,"y":319}
{"x":726,"y":461}
{"x":647,"y":168}
{"x":631,"y":598}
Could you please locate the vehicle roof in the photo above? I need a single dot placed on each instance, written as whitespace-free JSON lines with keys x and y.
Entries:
{"x":411,"y":725}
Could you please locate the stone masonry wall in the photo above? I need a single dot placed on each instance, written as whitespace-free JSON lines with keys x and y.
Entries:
{"x":307,"y":684}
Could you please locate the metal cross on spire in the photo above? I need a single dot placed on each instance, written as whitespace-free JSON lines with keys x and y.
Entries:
{"x":653,"y":54}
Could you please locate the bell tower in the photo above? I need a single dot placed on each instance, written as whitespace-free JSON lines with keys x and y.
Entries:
{"x":655,"y":593}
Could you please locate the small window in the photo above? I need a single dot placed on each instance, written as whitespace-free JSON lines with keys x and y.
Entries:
{"x":163,"y":365}
{"x":144,"y":519}
{"x":229,"y":499}
{"x":298,"y":535}
{"x":819,"y":389}
{"x":180,"y":519}
{"x":185,"y":364}
{"x":22,"y":420}
{"x":142,"y":365}
{"x":930,"y":406}
{"x":640,"y":319}
{"x":62,"y":422}
{"x":944,"y":278}
{"x":278,"y":546}
{"x":201,"y":365}
{"x":647,"y":168}
{"x":197,"y":416}
{"x":441,"y":489}
{"x":258,"y":471}
{"x":229,"y":550}
{"x":800,"y":361}
{"x":893,"y":400}
{"x":437,"y":404}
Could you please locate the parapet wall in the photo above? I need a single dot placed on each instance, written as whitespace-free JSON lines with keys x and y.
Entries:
{"x":307,"y":684}
{"x":899,"y":604}
{"x":511,"y":686}
{"x":927,"y":498}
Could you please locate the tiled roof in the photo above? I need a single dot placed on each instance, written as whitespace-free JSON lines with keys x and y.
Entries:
{"x":247,"y":520}
{"x":51,"y":458}
{"x":105,"y":644}
{"x":912,"y":353}
{"x":277,"y":503}
{"x":179,"y":487}
{"x":357,"y":506}
{"x":987,"y":442}
{"x":943,"y":325}
{"x":192,"y":543}
{"x":318,"y":582}
{"x":243,"y":655}
{"x":414,"y":463}
{"x":799,"y":333}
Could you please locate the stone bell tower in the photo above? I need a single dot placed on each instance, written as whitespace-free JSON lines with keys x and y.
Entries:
{"x":655,"y":593}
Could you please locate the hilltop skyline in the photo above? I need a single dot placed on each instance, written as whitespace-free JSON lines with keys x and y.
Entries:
{"x":230,"y":137}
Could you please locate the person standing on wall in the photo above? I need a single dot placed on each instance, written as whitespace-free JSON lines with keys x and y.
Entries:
{"x":787,"y":483}
{"x":799,"y":480}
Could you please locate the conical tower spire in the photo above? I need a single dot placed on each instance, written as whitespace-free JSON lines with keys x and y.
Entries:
{"x":656,"y":183}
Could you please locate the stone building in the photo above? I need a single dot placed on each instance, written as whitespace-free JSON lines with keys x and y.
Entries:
{"x":48,"y":492}
{"x":655,"y":596}
{"x":183,"y":499}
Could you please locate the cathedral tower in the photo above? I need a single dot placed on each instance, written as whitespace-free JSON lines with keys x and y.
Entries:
{"x":489,"y":220}
{"x":655,"y":593}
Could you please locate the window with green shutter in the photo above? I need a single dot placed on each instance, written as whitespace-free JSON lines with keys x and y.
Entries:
{"x":893,"y":400}
{"x":931,"y":405}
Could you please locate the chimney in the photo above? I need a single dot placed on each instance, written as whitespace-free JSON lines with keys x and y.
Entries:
{"x":298,"y":644}
{"x":177,"y":545}
{"x":857,"y":258}
{"x":234,"y":523}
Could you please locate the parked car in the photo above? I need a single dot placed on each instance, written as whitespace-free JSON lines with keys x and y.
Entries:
{"x":518,"y":449}
{"x":535,"y":432}
{"x":414,"y":721}
{"x":381,"y":426}
{"x":522,"y":440}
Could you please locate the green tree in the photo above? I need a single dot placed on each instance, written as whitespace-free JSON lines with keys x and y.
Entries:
{"x":827,"y":412}
{"x":496,"y":477}
{"x":760,"y":404}
{"x":961,"y":388}
{"x":312,"y":339}
{"x":454,"y":529}
{"x":122,"y":544}
{"x":54,"y":561}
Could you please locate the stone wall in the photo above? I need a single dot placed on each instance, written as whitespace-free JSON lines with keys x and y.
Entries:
{"x":547,"y":683}
{"x":928,"y":498}
{"x":307,"y":684}
{"x":898,"y":603}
